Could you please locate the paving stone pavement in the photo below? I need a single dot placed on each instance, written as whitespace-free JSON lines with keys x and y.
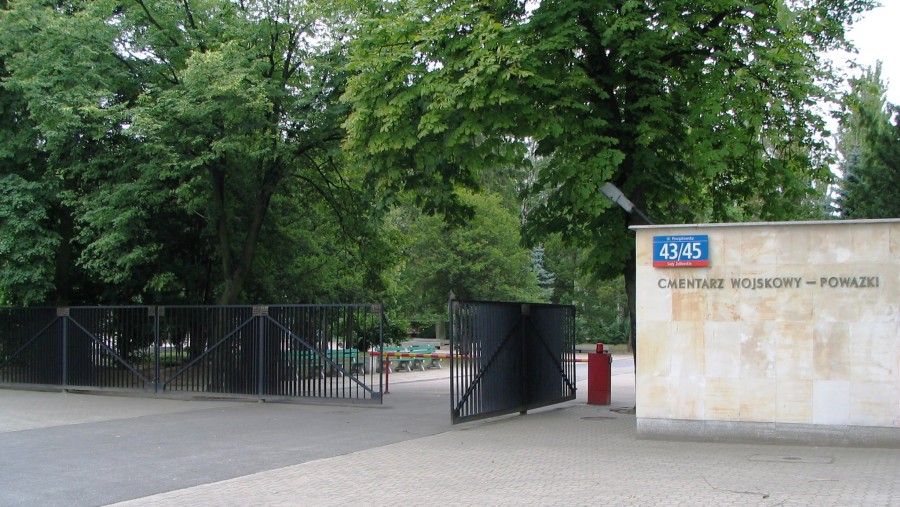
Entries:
{"x":571,"y":454}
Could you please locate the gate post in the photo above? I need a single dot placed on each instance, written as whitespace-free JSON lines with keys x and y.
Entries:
{"x":258,"y":313}
{"x":63,"y":315}
{"x":523,"y":347}
{"x":154,"y":311}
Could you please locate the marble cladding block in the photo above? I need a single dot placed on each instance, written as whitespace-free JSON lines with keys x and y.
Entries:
{"x":688,"y":350}
{"x":794,"y":401}
{"x":823,"y":350}
{"x":759,"y":246}
{"x":689,"y":305}
{"x":723,"y":349}
{"x":758,"y":350}
{"x":795,"y":247}
{"x":794,"y":350}
{"x":895,"y":242}
{"x":757,"y":402}
{"x":831,"y":402}
{"x":874,"y":403}
{"x":656,"y":393}
{"x":654,"y":350}
{"x":723,"y":399}
{"x":870,"y":243}
{"x":831,"y":351}
{"x":871,"y":360}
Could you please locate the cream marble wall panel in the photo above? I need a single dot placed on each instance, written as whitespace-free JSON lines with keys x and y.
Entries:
{"x":831,"y":402}
{"x":869,"y":243}
{"x":895,"y":242}
{"x":757,"y":400}
{"x":688,"y":397}
{"x":724,"y":308}
{"x":833,"y":246}
{"x":831,"y":351}
{"x":794,"y":401}
{"x":794,"y":247}
{"x":723,"y":399}
{"x":794,"y":350}
{"x":874,"y":404}
{"x":759,"y":247}
{"x":654,"y":303}
{"x":871,"y":359}
{"x":654,"y":348}
{"x":758,"y":350}
{"x":656,"y":394}
{"x":803,"y":353}
{"x":723,"y":349}
{"x":796,"y":305}
{"x":689,"y":305}
{"x":758,"y":308}
{"x":726,"y":249}
{"x":688,"y":350}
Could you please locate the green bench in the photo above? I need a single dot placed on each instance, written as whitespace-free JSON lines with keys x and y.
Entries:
{"x":311,"y":363}
{"x":308,"y":363}
{"x":419,"y":362}
{"x":400,"y":362}
{"x":351,"y":360}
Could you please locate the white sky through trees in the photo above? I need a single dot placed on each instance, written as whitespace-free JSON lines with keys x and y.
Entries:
{"x":877,"y":37}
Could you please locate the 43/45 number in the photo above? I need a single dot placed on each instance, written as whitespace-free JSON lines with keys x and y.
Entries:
{"x":679,"y":251}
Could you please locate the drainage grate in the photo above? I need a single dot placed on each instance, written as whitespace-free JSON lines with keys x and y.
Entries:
{"x":826,"y":460}
{"x":599,"y":418}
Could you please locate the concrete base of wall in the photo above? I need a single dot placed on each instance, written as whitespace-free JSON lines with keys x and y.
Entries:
{"x":768,"y":433}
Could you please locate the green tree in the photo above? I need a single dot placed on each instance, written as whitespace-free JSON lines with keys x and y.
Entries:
{"x":691,"y":108}
{"x":169,"y":130}
{"x":869,"y":143}
{"x":601,"y":307}
{"x":482,"y":259}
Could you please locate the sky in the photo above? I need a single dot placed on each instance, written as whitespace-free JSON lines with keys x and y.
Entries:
{"x":877,"y":37}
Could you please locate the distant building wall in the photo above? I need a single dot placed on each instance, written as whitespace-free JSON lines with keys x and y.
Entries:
{"x":790,"y":333}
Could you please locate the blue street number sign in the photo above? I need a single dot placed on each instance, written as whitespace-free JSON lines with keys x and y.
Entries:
{"x":681,"y":251}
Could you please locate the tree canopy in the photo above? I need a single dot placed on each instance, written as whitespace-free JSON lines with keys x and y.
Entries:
{"x":691,"y":108}
{"x":160,"y":135}
{"x":869,"y":143}
{"x":290,"y":150}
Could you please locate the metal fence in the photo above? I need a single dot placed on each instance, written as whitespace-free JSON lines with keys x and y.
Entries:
{"x":510,"y":357}
{"x":269,"y":352}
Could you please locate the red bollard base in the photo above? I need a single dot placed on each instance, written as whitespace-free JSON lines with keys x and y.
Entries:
{"x":599,"y":378}
{"x":599,"y":397}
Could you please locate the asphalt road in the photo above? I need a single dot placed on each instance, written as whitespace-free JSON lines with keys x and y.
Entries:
{"x":85,"y":449}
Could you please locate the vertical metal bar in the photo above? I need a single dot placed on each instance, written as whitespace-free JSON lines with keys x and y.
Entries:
{"x":453,"y":359}
{"x":380,"y":348}
{"x":65,"y":349}
{"x":262,"y":347}
{"x":156,"y":350}
{"x":523,"y":351}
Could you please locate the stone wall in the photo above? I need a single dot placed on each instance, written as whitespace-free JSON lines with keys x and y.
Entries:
{"x":793,"y":329}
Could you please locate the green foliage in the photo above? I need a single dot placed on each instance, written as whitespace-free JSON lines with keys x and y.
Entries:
{"x":27,"y":242}
{"x":869,"y":143}
{"x":481,"y":260}
{"x":163,"y":133}
{"x":601,"y":306}
{"x":696,"y":110}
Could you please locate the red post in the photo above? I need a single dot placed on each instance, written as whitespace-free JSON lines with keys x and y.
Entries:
{"x":386,"y":366}
{"x":599,"y":377}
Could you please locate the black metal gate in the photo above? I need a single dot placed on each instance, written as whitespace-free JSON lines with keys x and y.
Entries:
{"x":509,"y":357}
{"x":271,"y":352}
